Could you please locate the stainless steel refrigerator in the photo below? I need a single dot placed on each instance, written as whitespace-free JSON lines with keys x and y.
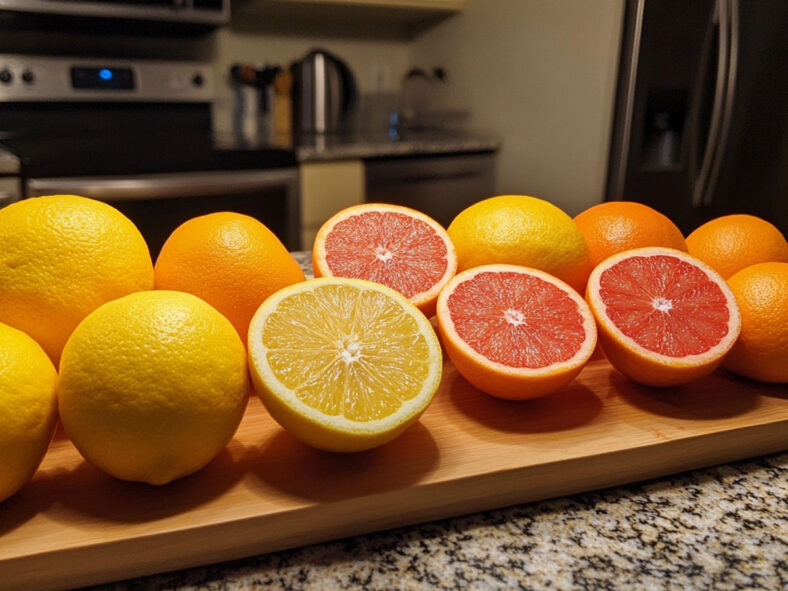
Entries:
{"x":701,"y":121}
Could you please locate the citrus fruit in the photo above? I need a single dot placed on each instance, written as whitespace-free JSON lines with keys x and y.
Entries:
{"x":28,"y":411}
{"x":616,"y":226}
{"x":343,"y":364}
{"x":515,"y":332}
{"x":521,"y":230}
{"x":664,"y":317}
{"x":729,"y":243}
{"x":389,"y":244}
{"x":152,"y":385}
{"x":761,"y":352}
{"x":230,"y":260}
{"x":61,"y":257}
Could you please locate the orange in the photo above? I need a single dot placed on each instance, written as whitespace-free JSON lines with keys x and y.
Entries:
{"x":521,"y":230}
{"x":392,"y":245}
{"x":61,"y":257}
{"x":761,"y":353}
{"x":343,"y":364}
{"x":730,"y":243}
{"x":152,"y":386}
{"x":616,"y":226}
{"x":230,"y":260}
{"x":515,"y":332}
{"x":664,"y":317}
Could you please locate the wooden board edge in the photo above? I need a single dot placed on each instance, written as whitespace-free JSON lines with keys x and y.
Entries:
{"x":173,"y":550}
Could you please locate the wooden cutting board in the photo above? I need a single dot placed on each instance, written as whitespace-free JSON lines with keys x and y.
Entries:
{"x":74,"y":526}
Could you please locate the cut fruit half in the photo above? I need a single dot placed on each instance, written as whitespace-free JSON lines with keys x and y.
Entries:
{"x":389,"y":244}
{"x":515,"y":332}
{"x":343,"y":364}
{"x":665,"y":318}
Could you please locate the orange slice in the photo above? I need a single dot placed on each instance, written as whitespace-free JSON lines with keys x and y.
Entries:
{"x":665,"y":318}
{"x":515,"y":332}
{"x":392,"y":245}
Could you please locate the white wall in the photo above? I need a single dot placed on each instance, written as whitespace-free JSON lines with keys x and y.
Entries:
{"x":541,"y":75}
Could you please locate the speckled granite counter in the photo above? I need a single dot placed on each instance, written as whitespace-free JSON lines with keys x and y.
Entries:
{"x":724,"y":527}
{"x":380,"y":145}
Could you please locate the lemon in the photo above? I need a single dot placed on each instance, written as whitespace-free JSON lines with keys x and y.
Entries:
{"x":152,"y":385}
{"x":521,"y":230}
{"x":28,"y":411}
{"x":61,"y":257}
{"x":343,"y":364}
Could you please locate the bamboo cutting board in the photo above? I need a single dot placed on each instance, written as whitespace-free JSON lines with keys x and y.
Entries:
{"x":74,"y":526}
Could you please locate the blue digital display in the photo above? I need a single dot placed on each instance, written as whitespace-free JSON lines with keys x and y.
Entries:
{"x":102,"y":78}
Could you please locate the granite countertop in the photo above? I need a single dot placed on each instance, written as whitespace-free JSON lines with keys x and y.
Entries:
{"x":391,"y":144}
{"x":724,"y":527}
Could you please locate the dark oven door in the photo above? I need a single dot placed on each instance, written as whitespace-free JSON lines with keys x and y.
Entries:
{"x":158,"y":203}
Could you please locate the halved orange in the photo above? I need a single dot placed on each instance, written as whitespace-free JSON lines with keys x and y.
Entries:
{"x":665,"y":318}
{"x":515,"y":332}
{"x":391,"y":245}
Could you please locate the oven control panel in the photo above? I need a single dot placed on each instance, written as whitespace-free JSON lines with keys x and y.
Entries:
{"x":43,"y":79}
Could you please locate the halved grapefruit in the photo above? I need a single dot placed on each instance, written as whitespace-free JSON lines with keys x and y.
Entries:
{"x":665,"y":318}
{"x":396,"y":246}
{"x":515,"y":332}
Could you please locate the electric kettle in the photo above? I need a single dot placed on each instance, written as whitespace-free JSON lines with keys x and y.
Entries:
{"x":324,"y":93}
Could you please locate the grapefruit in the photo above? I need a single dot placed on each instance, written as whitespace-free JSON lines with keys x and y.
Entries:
{"x":515,"y":332}
{"x":664,"y":317}
{"x":392,"y":245}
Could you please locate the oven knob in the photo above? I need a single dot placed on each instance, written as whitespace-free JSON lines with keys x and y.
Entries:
{"x":28,"y":77}
{"x":198,"y":80}
{"x":6,"y":77}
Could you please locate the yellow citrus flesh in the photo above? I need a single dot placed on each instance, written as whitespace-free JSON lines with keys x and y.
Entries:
{"x":61,"y":257}
{"x":153,"y":385}
{"x":343,"y":364}
{"x":28,"y":411}
{"x":521,"y":230}
{"x":664,"y":298}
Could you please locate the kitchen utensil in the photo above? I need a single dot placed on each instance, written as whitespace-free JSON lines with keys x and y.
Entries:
{"x":324,"y":91}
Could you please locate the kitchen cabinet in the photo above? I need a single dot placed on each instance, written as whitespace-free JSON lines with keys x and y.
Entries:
{"x":405,"y":16}
{"x":326,"y":188}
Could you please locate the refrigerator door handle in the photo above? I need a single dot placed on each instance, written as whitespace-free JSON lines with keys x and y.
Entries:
{"x":721,"y":18}
{"x":727,"y":113}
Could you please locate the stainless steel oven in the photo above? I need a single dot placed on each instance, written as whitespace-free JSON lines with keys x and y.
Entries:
{"x":136,"y":135}
{"x":200,"y":12}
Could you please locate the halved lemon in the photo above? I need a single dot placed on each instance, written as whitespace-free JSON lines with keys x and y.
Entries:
{"x":343,"y":364}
